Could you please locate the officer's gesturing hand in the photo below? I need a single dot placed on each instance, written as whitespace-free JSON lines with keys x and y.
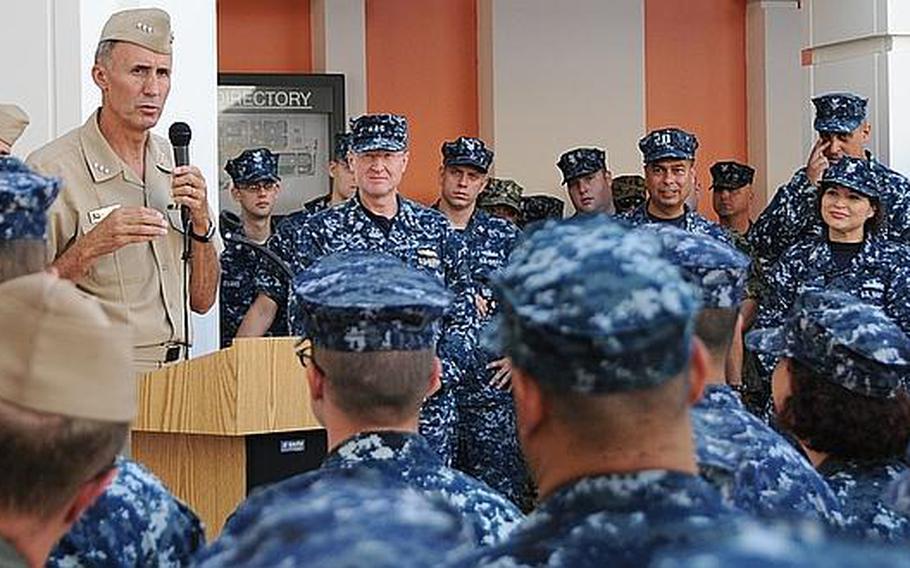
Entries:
{"x":121,"y":227}
{"x":124,"y":226}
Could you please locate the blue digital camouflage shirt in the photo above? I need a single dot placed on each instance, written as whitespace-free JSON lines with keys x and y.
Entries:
{"x":613,"y":520}
{"x":239,"y":266}
{"x":860,"y":486}
{"x":487,"y":446}
{"x":754,"y":543}
{"x":756,"y":469}
{"x":792,"y":215}
{"x":417,"y":235}
{"x":692,"y":222}
{"x":285,"y":235}
{"x":879,"y":274}
{"x":488,"y":242}
{"x":398,"y":457}
{"x":350,"y":519}
{"x":135,"y":522}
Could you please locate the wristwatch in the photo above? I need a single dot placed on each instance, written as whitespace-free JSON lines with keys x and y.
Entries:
{"x":207,"y":237}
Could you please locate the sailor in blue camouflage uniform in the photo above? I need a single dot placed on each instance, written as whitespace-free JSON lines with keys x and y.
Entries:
{"x":669,"y":161}
{"x":350,"y":519}
{"x":792,"y":216}
{"x":373,"y":322}
{"x":755,"y":468}
{"x":136,"y":522}
{"x":378,"y":218}
{"x":838,"y":391}
{"x":270,"y":318}
{"x":256,"y":183}
{"x":850,"y":256}
{"x":588,"y":180}
{"x":487,"y":444}
{"x":599,"y":327}
{"x":732,"y":195}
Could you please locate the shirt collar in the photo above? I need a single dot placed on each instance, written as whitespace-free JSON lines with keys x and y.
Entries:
{"x":104,"y":164}
{"x":629,"y":490}
{"x":381,"y":446}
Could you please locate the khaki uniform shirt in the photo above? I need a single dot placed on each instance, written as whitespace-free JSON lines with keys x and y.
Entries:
{"x":142,"y":282}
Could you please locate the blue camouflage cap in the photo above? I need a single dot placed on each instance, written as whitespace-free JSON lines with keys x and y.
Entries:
{"x":24,"y":199}
{"x":466,"y":151}
{"x":852,"y":173}
{"x":367,"y":301}
{"x":718,"y":270}
{"x":839,"y":112}
{"x":590,"y":306}
{"x":730,"y":175}
{"x":668,"y":143}
{"x":342,"y":146}
{"x":581,"y":162}
{"x":372,"y":132}
{"x":852,"y":344}
{"x":253,"y":166}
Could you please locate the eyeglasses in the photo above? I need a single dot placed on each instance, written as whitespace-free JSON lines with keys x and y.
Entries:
{"x":267,"y":186}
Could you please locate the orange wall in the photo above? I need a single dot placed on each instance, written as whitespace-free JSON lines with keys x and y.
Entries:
{"x":695,"y":77}
{"x":422,"y":63}
{"x":266,"y":36}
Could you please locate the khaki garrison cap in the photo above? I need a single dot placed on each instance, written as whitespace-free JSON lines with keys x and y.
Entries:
{"x":149,"y":28}
{"x":60,"y":353}
{"x":13,"y":121}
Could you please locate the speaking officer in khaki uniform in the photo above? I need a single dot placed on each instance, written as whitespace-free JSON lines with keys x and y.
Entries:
{"x":108,"y":230}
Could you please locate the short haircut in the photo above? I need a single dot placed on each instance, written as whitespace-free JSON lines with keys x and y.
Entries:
{"x":609,"y":416}
{"x":829,"y":418}
{"x":378,"y":386}
{"x":715,"y":327}
{"x":21,"y":257}
{"x":50,"y":456}
{"x":104,"y":50}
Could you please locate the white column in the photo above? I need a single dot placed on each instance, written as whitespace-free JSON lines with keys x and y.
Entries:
{"x":52,"y":43}
{"x":777,"y":97}
{"x":556,"y":75}
{"x":339,"y":46}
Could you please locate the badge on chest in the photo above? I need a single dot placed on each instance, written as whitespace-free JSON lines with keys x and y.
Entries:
{"x":95,"y":216}
{"x":428,"y":258}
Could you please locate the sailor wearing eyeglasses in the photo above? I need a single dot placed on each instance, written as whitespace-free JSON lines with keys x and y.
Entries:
{"x":255,"y":187}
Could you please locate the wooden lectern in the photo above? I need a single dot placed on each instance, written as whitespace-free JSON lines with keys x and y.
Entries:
{"x":209,"y":426}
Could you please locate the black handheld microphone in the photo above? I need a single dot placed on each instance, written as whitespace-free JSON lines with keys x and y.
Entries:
{"x":180,"y":135}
